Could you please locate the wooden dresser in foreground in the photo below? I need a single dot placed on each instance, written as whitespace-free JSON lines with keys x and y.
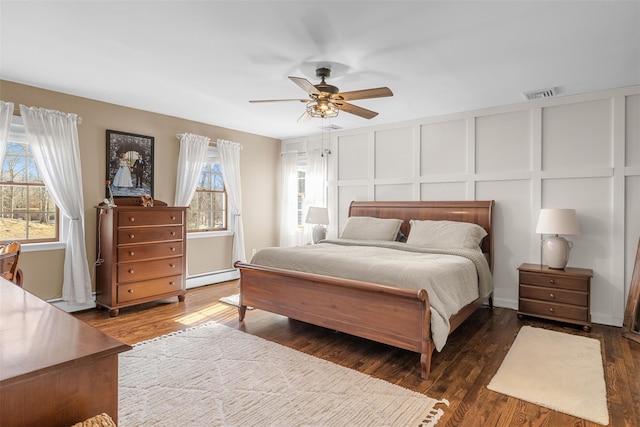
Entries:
{"x":55,"y":370}
{"x":141,"y":254}
{"x":562,"y":295}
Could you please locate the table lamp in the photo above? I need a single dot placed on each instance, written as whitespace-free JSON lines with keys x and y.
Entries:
{"x":319,"y":217}
{"x":556,"y":248}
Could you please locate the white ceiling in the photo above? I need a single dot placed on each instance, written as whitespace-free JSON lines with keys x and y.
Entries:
{"x":204,"y":60}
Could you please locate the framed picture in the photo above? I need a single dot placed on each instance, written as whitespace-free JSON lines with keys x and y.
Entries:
{"x":129,"y":164}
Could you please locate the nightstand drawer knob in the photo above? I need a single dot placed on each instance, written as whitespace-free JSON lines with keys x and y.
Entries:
{"x":552,"y":282}
{"x":552,"y":296}
{"x":551,"y":309}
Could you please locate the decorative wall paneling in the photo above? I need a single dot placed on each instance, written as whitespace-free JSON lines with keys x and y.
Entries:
{"x":580,"y":152}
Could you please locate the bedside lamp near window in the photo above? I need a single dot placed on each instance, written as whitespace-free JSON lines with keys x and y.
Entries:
{"x":319,"y":217}
{"x":555,"y":248}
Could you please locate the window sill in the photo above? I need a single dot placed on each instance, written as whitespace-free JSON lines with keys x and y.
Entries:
{"x":209,"y":234}
{"x":46,"y":246}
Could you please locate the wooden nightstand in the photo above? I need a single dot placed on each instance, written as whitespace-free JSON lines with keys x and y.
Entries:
{"x":562,"y":295}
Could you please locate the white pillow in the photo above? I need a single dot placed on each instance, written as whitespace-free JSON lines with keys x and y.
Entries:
{"x":369,"y":228}
{"x":445,"y":234}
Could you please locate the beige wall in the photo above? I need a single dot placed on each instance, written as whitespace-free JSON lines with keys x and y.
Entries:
{"x":259,"y":165}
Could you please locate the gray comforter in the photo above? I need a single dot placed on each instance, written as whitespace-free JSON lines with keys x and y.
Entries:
{"x":452,"y":277}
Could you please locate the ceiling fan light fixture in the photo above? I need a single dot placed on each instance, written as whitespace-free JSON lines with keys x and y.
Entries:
{"x":322,"y":109}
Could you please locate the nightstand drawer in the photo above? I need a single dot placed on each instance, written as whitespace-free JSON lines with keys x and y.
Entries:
{"x":554,"y":295}
{"x":572,"y":283}
{"x":550,"y":309}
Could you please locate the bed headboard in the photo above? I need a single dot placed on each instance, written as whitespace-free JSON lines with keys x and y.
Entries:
{"x":478,"y":212}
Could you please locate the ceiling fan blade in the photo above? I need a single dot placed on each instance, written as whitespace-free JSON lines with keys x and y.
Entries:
{"x":305,"y":117}
{"x":279,"y":100}
{"x":305,"y":85}
{"x":358,"y":111}
{"x":379,"y":92}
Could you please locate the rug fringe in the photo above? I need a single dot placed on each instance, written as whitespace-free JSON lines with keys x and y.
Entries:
{"x":434,"y":415}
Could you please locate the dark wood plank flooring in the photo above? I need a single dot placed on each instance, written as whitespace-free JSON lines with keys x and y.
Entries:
{"x":460,"y":373}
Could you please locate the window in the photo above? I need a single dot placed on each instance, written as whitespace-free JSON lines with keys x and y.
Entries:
{"x":208,"y":208}
{"x":28,"y":213}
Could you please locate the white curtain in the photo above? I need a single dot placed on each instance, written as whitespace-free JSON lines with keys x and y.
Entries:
{"x":230,"y":162}
{"x":193,"y":152}
{"x":314,"y":186}
{"x":53,"y":138}
{"x":289,"y":206}
{"x":6,"y":111}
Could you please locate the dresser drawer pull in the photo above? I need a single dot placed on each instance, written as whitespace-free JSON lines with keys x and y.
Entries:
{"x":130,"y":291}
{"x":131,"y":236}
{"x":552,"y":282}
{"x":172,"y":283}
{"x":173,"y":218}
{"x":173,"y":249}
{"x":131,"y":271}
{"x":172,"y":265}
{"x":131,"y":219}
{"x":552,"y":296}
{"x":173,"y":233}
{"x":551,"y":309}
{"x":132,"y":253}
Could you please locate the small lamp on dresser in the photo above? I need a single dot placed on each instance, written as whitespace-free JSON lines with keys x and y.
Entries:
{"x":320,"y":218}
{"x":556,"y":248}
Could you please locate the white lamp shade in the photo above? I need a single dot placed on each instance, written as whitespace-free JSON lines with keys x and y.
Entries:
{"x":317,"y":215}
{"x":558,"y":221}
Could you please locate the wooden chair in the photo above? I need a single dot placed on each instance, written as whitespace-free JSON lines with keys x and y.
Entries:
{"x":9,"y":255}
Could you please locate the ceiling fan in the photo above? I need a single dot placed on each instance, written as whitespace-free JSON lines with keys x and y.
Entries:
{"x":326,"y":100}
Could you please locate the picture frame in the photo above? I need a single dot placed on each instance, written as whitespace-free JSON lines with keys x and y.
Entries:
{"x":129,"y":164}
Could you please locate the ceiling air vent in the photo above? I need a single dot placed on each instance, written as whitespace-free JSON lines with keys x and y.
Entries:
{"x":539,"y":94}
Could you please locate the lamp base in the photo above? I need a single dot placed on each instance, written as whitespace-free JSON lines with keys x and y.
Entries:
{"x":556,"y":251}
{"x":319,"y":233}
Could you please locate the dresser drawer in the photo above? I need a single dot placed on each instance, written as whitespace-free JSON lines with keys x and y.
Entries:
{"x":144,"y":270}
{"x":572,"y":283}
{"x":148,"y":234}
{"x":550,"y":309}
{"x":554,"y":295}
{"x":150,"y":288}
{"x":148,"y":251}
{"x":149,"y":217}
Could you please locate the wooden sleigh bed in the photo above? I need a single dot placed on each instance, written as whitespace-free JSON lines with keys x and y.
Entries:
{"x":395,"y":316}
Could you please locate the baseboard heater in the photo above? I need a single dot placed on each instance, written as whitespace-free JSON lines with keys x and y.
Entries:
{"x":192,"y":282}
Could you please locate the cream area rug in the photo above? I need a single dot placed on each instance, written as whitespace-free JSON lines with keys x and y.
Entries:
{"x":559,"y":371}
{"x":213,"y":375}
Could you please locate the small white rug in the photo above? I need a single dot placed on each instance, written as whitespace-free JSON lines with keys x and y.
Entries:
{"x":559,"y":371}
{"x":233,"y":300}
{"x":213,"y":375}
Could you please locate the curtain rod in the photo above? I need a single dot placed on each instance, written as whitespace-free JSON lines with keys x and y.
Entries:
{"x":326,"y":151}
{"x":211,"y":142}
{"x":17,"y":110}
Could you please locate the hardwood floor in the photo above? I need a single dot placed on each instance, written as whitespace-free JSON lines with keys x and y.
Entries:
{"x":460,"y":373}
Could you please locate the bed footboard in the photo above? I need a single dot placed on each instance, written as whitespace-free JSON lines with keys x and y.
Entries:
{"x":395,"y":316}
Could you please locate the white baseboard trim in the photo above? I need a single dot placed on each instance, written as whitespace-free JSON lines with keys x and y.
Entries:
{"x":192,"y":282}
{"x":213,"y":277}
{"x":70,"y":308}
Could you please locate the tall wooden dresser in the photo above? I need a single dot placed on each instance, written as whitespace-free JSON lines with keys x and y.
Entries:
{"x":141,"y":253}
